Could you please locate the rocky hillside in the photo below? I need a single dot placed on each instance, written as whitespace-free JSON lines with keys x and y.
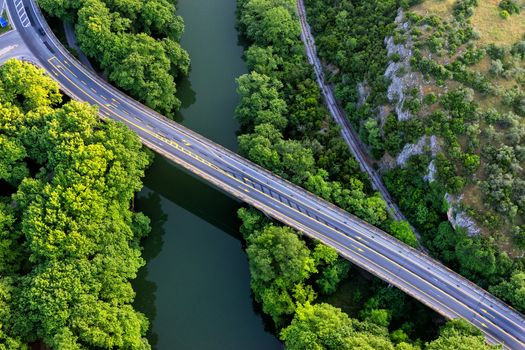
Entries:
{"x":436,"y":89}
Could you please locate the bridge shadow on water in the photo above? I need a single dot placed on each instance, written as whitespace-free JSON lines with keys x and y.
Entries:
{"x":164,"y":180}
{"x":195,"y":196}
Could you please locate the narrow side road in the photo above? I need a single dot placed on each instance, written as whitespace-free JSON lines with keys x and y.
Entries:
{"x":366,"y":246}
{"x":354,"y":143}
{"x":71,"y":38}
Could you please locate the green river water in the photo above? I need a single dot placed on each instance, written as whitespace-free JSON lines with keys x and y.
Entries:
{"x":195,"y":286}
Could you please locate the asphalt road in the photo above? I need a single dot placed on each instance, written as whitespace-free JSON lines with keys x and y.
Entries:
{"x":71,"y":38}
{"x":12,"y":46}
{"x":348,"y":133}
{"x":366,"y":246}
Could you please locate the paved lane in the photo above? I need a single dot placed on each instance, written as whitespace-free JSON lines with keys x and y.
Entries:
{"x":368,"y":247}
{"x":347,"y":132}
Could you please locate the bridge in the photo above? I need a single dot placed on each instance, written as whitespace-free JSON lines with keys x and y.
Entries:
{"x":366,"y":246}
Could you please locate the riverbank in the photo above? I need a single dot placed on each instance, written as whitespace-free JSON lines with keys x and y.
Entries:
{"x":195,"y":288}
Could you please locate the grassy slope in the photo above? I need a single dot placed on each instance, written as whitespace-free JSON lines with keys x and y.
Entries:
{"x":492,"y":29}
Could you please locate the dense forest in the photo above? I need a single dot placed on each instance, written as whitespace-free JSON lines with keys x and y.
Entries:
{"x":134,"y":42}
{"x":285,"y":128}
{"x":69,"y":241}
{"x":431,"y":73}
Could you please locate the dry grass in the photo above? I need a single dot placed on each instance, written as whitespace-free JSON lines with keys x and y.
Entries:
{"x":441,"y":8}
{"x":494,"y":29}
{"x":472,"y":196}
{"x":486,"y":20}
{"x":484,"y":65}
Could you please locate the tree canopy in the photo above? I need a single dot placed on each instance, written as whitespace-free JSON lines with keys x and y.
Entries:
{"x":135,"y":42}
{"x":69,"y":243}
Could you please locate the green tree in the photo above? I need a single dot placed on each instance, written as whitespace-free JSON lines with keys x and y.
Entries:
{"x":402,"y":231}
{"x":279,"y":265}
{"x":11,"y":252}
{"x":476,"y":256}
{"x":263,"y":60}
{"x":135,"y":43}
{"x":7,"y":341}
{"x":270,"y":23}
{"x":513,"y":290}
{"x":260,"y":101}
{"x":332,"y":269}
{"x":322,"y":326}
{"x":459,"y":334}
{"x":27,"y":86}
{"x":69,"y":244}
{"x":12,"y":166}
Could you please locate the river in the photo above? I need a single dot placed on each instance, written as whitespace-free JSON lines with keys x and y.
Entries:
{"x":195,"y":287}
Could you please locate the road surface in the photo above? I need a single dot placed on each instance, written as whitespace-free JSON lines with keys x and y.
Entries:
{"x":366,"y":246}
{"x":71,"y":38}
{"x":12,"y":46}
{"x":354,"y":143}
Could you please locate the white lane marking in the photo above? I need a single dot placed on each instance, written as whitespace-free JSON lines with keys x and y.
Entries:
{"x":20,"y":9}
{"x":7,"y":49}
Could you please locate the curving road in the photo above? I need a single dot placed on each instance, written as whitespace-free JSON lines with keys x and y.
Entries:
{"x":354,"y":143}
{"x":366,"y":246}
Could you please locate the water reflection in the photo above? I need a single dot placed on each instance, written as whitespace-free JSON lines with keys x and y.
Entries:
{"x":196,"y":282}
{"x":145,"y":301}
{"x":195,"y":287}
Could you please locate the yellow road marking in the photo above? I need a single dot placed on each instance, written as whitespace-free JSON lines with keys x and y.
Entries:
{"x":203,"y":161}
{"x":361,"y":238}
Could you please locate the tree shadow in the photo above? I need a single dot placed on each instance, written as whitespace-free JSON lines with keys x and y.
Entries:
{"x":186,"y":95}
{"x":150,"y":204}
{"x":6,"y":189}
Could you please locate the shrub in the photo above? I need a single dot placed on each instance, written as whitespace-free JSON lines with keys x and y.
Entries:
{"x":518,"y":49}
{"x":504,"y":14}
{"x":509,"y":6}
{"x":496,"y":52}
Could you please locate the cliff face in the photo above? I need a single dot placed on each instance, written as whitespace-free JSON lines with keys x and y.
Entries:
{"x":399,"y":71}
